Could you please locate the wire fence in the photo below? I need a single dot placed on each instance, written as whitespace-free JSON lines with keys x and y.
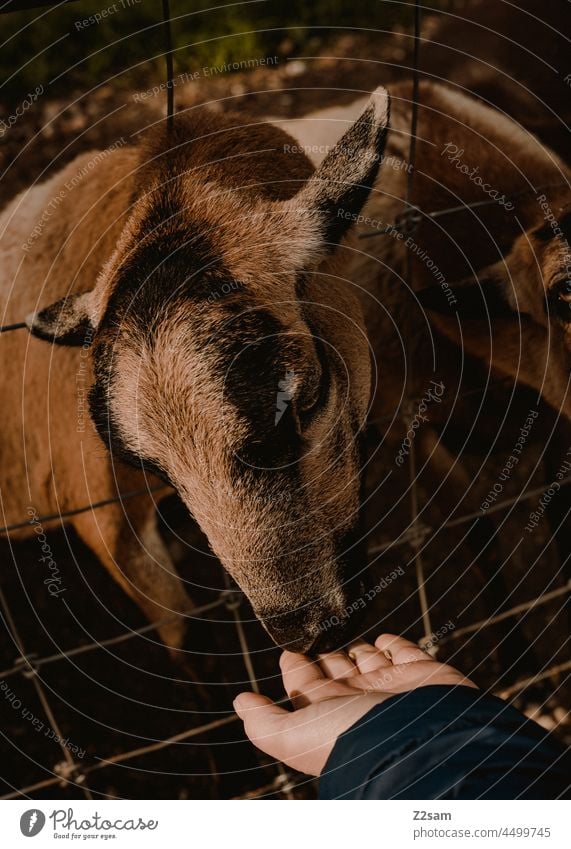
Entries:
{"x":68,"y":771}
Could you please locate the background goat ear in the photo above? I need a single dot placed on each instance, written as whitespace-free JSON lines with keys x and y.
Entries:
{"x":66,"y":322}
{"x":338,"y":190}
{"x":477,"y":301}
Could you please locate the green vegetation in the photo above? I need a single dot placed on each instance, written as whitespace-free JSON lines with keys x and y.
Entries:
{"x":83,"y":44}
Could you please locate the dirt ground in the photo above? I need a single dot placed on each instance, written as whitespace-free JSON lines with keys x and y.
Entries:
{"x":117,"y":698}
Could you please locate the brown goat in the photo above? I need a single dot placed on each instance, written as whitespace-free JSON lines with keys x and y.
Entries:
{"x":231,"y":327}
{"x":190,"y":285}
{"x":496,"y":278}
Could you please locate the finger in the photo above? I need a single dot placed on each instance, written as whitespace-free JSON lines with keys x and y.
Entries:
{"x":397,"y":679}
{"x":264,"y":723}
{"x":367,"y":658}
{"x":380,"y":680}
{"x":406,"y":676}
{"x":400,"y":650}
{"x":337,"y":664}
{"x":302,"y":678}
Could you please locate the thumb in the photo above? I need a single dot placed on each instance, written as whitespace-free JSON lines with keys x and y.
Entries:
{"x":264,"y":722}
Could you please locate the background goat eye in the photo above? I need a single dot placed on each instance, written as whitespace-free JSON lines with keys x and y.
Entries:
{"x":564,"y":290}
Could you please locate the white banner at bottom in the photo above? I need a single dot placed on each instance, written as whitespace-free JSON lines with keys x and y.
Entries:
{"x":281,"y":824}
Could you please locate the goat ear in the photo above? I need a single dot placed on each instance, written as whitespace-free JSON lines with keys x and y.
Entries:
{"x":66,"y":322}
{"x":477,"y":301}
{"x":336,"y":193}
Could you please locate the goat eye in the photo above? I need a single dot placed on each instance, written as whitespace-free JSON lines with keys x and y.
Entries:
{"x":309,"y":399}
{"x":313,"y":400}
{"x":561,"y":300}
{"x":564,"y":290}
{"x":315,"y":392}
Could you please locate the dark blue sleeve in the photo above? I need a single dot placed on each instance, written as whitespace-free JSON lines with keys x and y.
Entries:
{"x":446,"y":742}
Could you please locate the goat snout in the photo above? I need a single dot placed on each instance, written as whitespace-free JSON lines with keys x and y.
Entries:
{"x":316,"y":627}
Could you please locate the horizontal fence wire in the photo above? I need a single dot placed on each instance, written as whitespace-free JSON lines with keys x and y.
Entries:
{"x":80,"y":773}
{"x":478,"y":390}
{"x":95,"y":505}
{"x":535,"y":679}
{"x":526,"y":606}
{"x":407,"y":222}
{"x":6,"y":328}
{"x":410,"y":535}
{"x":30,"y":663}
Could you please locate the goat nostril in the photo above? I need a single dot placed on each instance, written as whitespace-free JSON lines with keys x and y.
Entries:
{"x":313,"y":629}
{"x":329,"y":641}
{"x":308,"y":643}
{"x":297,"y":644}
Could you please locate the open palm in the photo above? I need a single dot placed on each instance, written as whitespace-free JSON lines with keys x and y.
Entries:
{"x":331,"y":693}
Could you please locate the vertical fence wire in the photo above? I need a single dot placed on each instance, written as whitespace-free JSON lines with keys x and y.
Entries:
{"x":283,"y":782}
{"x":169,"y":66}
{"x":416,"y":537}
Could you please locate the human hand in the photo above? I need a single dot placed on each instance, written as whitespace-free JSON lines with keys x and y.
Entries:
{"x":330,"y":694}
